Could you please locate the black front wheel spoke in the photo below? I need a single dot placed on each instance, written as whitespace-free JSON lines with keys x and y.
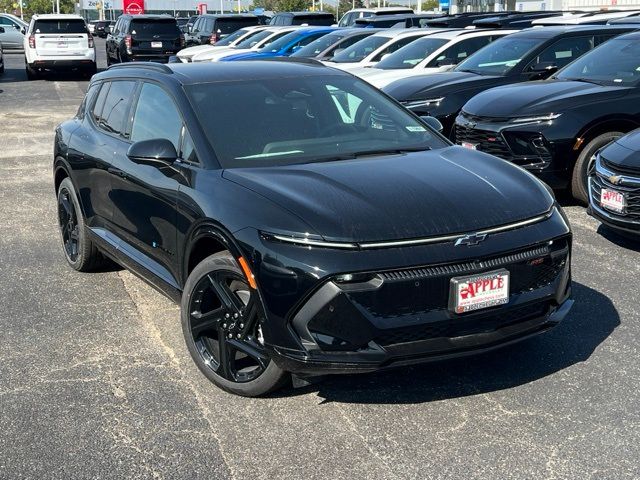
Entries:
{"x":252,"y":349}
{"x":203,"y":322}
{"x":229,"y":299}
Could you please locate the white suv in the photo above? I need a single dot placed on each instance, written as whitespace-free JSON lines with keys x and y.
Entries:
{"x":58,"y":42}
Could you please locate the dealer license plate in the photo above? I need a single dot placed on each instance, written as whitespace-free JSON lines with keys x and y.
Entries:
{"x":479,"y":291}
{"x":156,"y":44}
{"x":470,"y":146}
{"x":612,"y":200}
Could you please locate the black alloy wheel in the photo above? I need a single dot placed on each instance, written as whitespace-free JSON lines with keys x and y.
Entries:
{"x":222,"y":323}
{"x":79,"y":250}
{"x":69,"y":228}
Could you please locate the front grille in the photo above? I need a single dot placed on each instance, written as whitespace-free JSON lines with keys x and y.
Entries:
{"x":486,"y":141}
{"x":632,"y":195}
{"x":421,"y":290}
{"x":620,"y":169}
{"x":461,"y":326}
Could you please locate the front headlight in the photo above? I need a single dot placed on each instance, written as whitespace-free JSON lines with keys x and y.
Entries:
{"x":536,"y":119}
{"x":430,"y":102}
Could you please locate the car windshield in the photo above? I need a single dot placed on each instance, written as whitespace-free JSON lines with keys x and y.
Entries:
{"x":359,"y":50}
{"x":499,"y":57}
{"x":616,"y":62}
{"x":156,"y":26}
{"x":279,"y":43}
{"x":410,"y":55}
{"x":304,"y":119}
{"x":232,"y":38}
{"x":254,"y":39}
{"x":60,"y":26}
{"x":319,"y":45}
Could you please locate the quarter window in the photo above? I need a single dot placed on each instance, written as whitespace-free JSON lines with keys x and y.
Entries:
{"x":97,"y":108}
{"x":116,"y":106}
{"x":156,"y":116}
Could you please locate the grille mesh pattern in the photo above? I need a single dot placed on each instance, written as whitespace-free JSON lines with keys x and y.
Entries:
{"x":632,"y":194}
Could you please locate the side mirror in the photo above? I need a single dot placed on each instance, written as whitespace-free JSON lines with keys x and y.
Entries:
{"x":337,"y":51}
{"x":433,"y":122}
{"x":296,"y":48}
{"x":23,"y":30}
{"x":445,"y":62}
{"x":1,"y":29}
{"x":543,"y":69}
{"x":156,"y":152}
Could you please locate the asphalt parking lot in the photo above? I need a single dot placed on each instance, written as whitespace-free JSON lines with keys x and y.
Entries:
{"x":95,"y":380}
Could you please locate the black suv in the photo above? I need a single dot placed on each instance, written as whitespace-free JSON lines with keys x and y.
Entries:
{"x":327,"y":235}
{"x":143,"y":37}
{"x":531,"y":54}
{"x":208,"y":29}
{"x":553,"y":128}
{"x":319,"y":19}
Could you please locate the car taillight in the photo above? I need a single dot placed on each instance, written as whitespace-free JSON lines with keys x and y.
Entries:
{"x":91,"y":44}
{"x":127,"y":43}
{"x":32,"y":41}
{"x":181,"y":41}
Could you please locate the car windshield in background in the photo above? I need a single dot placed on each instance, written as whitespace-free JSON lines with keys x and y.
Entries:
{"x":60,"y":26}
{"x":230,"y":25}
{"x":615,"y":63}
{"x":318,"y":20}
{"x":231,"y":38}
{"x":358,"y":51}
{"x":279,"y":43}
{"x":499,"y":57}
{"x":412,"y":54}
{"x":302,"y":120}
{"x":319,"y":45}
{"x":254,"y":39}
{"x":168,"y":26}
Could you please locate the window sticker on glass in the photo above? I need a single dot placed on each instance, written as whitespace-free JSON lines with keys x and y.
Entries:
{"x":415,"y":128}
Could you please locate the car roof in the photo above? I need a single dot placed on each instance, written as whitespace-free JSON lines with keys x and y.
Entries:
{"x":55,"y":16}
{"x":320,"y":14}
{"x":379,"y":9}
{"x":228,"y":15}
{"x":405,"y":32}
{"x":550,"y":32}
{"x":211,"y":72}
{"x":465,"y":32}
{"x":150,"y":16}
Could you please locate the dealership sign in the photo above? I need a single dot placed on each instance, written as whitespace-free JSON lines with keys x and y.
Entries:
{"x":133,"y":7}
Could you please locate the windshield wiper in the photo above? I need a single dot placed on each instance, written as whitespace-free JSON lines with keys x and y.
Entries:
{"x":389,"y":151}
{"x":468,"y":70}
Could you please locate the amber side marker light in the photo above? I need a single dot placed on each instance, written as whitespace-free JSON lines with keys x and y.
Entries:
{"x":247,"y":273}
{"x":578,"y":144}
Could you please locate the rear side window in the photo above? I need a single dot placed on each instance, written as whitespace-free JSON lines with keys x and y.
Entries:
{"x":97,"y":108}
{"x":155,"y":27}
{"x":156,"y":116}
{"x":230,"y":25}
{"x":460,"y":51}
{"x":88,"y":99}
{"x":116,"y":105}
{"x":393,"y":47}
{"x":60,"y":26}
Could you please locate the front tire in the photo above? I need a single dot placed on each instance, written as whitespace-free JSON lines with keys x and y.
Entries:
{"x":222,"y":324}
{"x":584,"y":164}
{"x":79,"y":251}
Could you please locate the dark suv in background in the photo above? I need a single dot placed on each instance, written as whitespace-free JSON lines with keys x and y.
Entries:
{"x":143,"y":37}
{"x":322,"y":19}
{"x":208,"y":29}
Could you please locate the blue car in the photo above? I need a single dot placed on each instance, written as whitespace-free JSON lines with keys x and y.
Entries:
{"x":284,"y":46}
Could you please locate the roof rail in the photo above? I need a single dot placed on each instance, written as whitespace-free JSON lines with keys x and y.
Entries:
{"x":158,"y":67}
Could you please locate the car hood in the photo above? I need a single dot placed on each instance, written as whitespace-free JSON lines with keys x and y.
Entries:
{"x":189,"y":52}
{"x":414,"y":195}
{"x":624,"y":152}
{"x":542,"y":97}
{"x":438,"y":85}
{"x":382,"y":78}
{"x":250,"y":56}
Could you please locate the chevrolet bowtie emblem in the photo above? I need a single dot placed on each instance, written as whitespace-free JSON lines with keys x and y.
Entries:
{"x":615,"y":180}
{"x":471,"y":239}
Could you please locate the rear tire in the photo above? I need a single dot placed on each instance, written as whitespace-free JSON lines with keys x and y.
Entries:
{"x":79,"y":251}
{"x":584,"y":164}
{"x":221,"y":322}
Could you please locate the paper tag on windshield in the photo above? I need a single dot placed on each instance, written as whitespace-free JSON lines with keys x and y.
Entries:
{"x":415,"y":128}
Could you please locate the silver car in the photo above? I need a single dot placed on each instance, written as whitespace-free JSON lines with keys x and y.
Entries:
{"x":12,"y":36}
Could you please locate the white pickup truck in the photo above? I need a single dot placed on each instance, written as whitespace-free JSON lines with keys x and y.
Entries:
{"x":58,"y":42}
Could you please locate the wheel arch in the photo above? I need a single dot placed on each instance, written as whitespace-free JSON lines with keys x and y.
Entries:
{"x":205,"y":239}
{"x":622,"y":124}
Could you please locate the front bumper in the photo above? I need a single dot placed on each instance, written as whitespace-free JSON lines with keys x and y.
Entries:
{"x":627,"y":221}
{"x":152,"y":57}
{"x":527,"y":145}
{"x":402,"y":316}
